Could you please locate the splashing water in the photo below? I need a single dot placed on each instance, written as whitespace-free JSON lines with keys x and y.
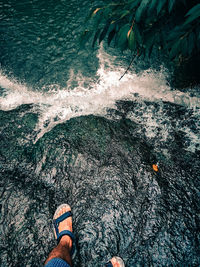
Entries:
{"x":61,"y":104}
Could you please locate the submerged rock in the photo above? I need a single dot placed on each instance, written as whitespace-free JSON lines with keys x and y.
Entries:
{"x":103,"y":169}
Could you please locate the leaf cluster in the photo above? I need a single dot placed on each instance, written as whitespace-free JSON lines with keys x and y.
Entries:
{"x":144,"y":25}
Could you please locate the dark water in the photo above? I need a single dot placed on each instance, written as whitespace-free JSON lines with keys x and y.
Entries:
{"x":71,"y":132}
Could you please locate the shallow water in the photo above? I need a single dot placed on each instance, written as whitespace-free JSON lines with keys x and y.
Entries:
{"x":72,"y":132}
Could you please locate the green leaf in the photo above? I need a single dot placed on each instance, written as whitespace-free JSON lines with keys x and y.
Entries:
{"x":111,"y":36}
{"x":96,"y":37}
{"x":160,"y":5}
{"x":152,"y":5}
{"x":138,"y":36}
{"x":124,"y":14}
{"x":194,"y":15}
{"x":107,"y":12}
{"x":122,"y":40}
{"x":175,"y":49}
{"x":140,"y":10}
{"x":97,"y":20}
{"x":194,"y":9}
{"x":171,"y":5}
{"x":149,"y":42}
{"x":92,"y":12}
{"x":103,"y":33}
{"x":131,"y":41}
{"x":135,"y":3}
{"x":175,"y":34}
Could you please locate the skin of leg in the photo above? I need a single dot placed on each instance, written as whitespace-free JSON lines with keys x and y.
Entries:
{"x":62,"y":250}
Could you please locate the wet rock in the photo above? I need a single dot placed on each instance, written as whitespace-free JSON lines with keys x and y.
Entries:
{"x":103,"y":169}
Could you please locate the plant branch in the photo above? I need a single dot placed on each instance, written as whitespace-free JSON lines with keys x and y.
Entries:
{"x":133,"y":57}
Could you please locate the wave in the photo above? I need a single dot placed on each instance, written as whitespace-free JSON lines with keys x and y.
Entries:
{"x":61,"y":104}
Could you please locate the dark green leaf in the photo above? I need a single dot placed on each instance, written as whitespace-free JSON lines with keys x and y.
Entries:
{"x":111,"y":36}
{"x":152,"y":5}
{"x":97,"y":20}
{"x":124,"y":14}
{"x":138,"y":36}
{"x":193,"y":16}
{"x":96,"y":37}
{"x":192,"y":10}
{"x":175,"y":34}
{"x":160,"y":5}
{"x":91,"y":14}
{"x":122,"y":40}
{"x":149,"y":44}
{"x":131,"y":40}
{"x":171,"y":5}
{"x":103,"y":33}
{"x":140,"y":10}
{"x":175,"y":49}
{"x":107,"y":12}
{"x":135,"y":3}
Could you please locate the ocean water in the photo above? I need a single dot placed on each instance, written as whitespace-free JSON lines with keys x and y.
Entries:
{"x":72,"y":131}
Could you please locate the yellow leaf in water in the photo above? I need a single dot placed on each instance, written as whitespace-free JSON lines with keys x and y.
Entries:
{"x":155,"y":167}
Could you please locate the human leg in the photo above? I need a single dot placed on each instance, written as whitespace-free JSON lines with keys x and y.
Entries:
{"x":61,"y":254}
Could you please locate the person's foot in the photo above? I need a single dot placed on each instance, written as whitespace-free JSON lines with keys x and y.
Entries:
{"x":64,"y":225}
{"x":117,"y":262}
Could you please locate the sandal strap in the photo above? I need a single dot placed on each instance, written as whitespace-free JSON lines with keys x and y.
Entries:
{"x":109,"y":264}
{"x":65,"y":232}
{"x":63,"y":217}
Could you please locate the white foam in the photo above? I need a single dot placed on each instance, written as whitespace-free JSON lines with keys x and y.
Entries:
{"x":61,"y":104}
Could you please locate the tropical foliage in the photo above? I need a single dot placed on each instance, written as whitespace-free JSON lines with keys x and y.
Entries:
{"x":146,"y":25}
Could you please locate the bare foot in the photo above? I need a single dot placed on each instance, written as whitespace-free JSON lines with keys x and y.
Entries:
{"x":64,"y":225}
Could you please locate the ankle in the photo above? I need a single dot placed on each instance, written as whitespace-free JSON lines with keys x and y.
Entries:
{"x":66,"y":242}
